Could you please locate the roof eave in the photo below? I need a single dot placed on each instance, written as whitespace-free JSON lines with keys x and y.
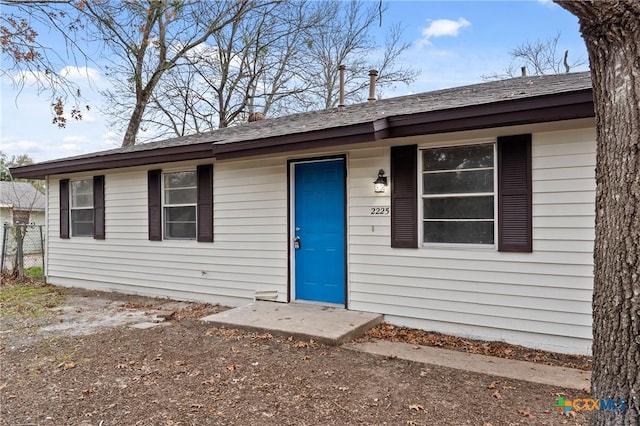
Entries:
{"x":116,"y":160}
{"x":357,"y":133}
{"x":511,"y":112}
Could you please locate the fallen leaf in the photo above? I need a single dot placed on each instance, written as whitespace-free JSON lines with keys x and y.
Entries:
{"x":493,"y":384}
{"x":209,"y":381}
{"x":423,"y":373}
{"x":197,"y":405}
{"x":4,"y":385}
{"x":416,"y":407}
{"x":571,"y":413}
{"x":412,"y":423}
{"x":496,"y":395}
{"x":343,"y":388}
{"x":67,"y":365}
{"x":232,"y":367}
{"x":526,"y":413}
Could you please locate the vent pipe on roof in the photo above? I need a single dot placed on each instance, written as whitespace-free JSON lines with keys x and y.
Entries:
{"x":523,"y":70}
{"x":341,"y":69}
{"x":372,"y":86}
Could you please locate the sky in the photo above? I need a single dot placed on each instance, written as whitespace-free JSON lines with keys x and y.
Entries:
{"x":452,"y":43}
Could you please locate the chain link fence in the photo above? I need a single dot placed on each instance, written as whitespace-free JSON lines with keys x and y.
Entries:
{"x":22,"y":250}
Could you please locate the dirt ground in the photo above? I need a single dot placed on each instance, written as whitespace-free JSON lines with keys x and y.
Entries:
{"x":79,"y":362}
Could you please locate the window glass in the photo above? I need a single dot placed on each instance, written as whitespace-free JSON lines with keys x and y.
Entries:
{"x":459,"y":208}
{"x":458,"y":232}
{"x":81,"y":211}
{"x":82,"y":223}
{"x":180,"y":200}
{"x":82,"y":193}
{"x":460,"y":182}
{"x":458,"y":157}
{"x":458,"y":191}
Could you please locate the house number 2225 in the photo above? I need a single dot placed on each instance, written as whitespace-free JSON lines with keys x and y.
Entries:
{"x":380,"y":211}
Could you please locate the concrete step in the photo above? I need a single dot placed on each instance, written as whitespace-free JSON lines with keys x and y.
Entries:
{"x":328,"y":325}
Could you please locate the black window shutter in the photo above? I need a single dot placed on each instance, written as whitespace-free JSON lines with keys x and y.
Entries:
{"x":404,"y":196}
{"x":64,"y":208}
{"x":154,"y":186}
{"x":205,"y":203}
{"x":98,"y":207}
{"x":514,"y":194}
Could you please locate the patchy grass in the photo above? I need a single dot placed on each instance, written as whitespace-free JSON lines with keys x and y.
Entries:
{"x":27,"y":299}
{"x":35,"y":271}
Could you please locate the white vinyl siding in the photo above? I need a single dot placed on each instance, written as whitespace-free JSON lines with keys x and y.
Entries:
{"x":540,"y":299}
{"x":249,"y":253}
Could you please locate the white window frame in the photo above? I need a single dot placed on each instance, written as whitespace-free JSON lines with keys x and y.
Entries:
{"x":165,"y":228}
{"x":421,"y":196}
{"x":72,"y":208}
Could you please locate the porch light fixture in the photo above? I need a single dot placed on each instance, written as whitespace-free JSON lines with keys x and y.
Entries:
{"x":380,"y":184}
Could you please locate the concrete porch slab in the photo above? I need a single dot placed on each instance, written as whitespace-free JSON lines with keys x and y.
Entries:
{"x":328,"y":325}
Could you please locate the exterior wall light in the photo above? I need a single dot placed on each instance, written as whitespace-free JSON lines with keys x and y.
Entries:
{"x":380,"y":184}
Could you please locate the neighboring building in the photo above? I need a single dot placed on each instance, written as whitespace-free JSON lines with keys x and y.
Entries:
{"x":485,"y":228}
{"x":21,"y":203}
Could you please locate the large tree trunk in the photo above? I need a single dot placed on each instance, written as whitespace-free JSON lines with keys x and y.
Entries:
{"x":611,"y":30}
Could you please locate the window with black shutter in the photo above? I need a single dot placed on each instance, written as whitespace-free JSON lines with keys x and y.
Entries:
{"x":64,"y":208}
{"x":404,"y":202}
{"x":459,"y":194}
{"x":181,"y":204}
{"x":205,"y":203}
{"x":154,"y":189}
{"x":514,"y":194}
{"x":82,"y":209}
{"x":98,"y":208}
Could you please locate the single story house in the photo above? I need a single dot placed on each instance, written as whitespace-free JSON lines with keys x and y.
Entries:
{"x":480,"y":222}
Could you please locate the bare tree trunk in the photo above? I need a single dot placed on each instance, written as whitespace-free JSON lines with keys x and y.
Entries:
{"x":612,"y":33}
{"x":134,"y":125}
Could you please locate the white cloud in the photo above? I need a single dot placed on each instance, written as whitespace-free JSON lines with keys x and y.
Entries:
{"x":111,"y":139}
{"x":74,"y":140}
{"x":80,"y":74}
{"x":440,"y":28}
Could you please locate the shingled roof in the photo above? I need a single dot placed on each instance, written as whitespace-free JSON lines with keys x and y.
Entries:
{"x":21,"y":196}
{"x":498,"y":103}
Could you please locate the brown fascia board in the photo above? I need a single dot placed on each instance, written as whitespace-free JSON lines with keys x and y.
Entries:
{"x":541,"y":109}
{"x":357,"y":133}
{"x":116,"y":160}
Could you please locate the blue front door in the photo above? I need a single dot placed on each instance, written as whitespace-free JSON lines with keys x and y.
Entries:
{"x":319,"y":228}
